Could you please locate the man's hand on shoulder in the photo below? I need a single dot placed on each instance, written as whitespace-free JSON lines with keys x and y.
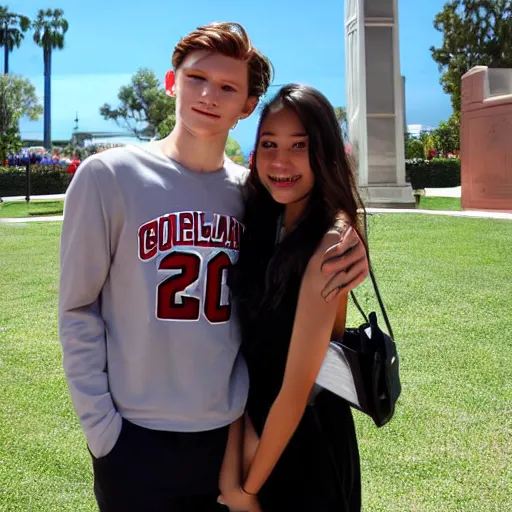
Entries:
{"x":347,"y":264}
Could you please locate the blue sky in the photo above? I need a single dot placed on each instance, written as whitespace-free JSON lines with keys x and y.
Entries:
{"x":109,"y":40}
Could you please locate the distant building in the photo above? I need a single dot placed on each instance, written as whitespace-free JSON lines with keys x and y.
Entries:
{"x":83,"y":139}
{"x":416,"y":129}
{"x":100,"y":138}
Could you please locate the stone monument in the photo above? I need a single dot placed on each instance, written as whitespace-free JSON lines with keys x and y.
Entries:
{"x":485,"y":142}
{"x":375,"y":102}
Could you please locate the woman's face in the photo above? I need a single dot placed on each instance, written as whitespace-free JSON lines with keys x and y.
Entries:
{"x":282,"y":157}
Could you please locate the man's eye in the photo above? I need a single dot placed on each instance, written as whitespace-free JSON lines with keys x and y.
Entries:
{"x":196,"y":77}
{"x":228,"y":88}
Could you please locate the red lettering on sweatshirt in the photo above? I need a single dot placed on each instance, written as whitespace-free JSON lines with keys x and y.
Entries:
{"x":184,"y":229}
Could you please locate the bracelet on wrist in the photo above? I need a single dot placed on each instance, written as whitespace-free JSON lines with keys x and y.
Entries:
{"x":242,"y":488}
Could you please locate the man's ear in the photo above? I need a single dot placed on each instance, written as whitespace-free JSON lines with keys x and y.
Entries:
{"x":250,"y":105}
{"x":170,"y":83}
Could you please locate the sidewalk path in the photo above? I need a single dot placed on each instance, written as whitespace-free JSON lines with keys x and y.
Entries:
{"x":21,"y":199}
{"x":429,"y":192}
{"x":21,"y":220}
{"x":443,"y":192}
{"x":469,"y":213}
{"x":465,"y":213}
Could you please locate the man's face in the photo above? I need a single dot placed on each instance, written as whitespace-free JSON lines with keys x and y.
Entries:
{"x":212,"y":93}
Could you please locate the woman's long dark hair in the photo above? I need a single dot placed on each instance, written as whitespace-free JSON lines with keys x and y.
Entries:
{"x":265,"y":271}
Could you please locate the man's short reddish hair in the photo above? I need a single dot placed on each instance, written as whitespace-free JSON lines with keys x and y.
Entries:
{"x":229,"y":39}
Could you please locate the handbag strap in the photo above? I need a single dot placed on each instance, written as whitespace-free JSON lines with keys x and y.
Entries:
{"x":375,"y":288}
{"x":359,"y":308}
{"x":381,"y":305}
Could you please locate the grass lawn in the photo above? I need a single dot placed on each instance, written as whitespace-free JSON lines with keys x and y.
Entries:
{"x":446,"y":282}
{"x":440,"y":203}
{"x":34,"y":208}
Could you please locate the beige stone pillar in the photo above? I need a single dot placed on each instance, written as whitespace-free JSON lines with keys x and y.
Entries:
{"x":375,"y":101}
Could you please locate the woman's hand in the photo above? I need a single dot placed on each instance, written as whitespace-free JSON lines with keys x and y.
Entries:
{"x":239,"y":501}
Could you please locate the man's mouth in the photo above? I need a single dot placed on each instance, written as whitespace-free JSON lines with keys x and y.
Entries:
{"x":284,"y":179}
{"x":209,"y":114}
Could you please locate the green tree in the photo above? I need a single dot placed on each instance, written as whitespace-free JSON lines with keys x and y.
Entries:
{"x":12,"y":32}
{"x":341,"y":116}
{"x":446,"y":136}
{"x":413,"y":147}
{"x":427,"y":141}
{"x":50,"y":28}
{"x":145,"y":109}
{"x":17,"y":99}
{"x":475,"y":33}
{"x":234,"y":152}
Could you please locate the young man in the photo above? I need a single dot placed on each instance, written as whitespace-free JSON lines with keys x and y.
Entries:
{"x":150,"y":340}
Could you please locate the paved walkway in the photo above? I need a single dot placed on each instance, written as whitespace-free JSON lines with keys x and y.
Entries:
{"x":21,"y":220}
{"x":431,"y":192}
{"x":414,"y":211}
{"x":465,"y":213}
{"x":21,"y":199}
{"x":443,"y":192}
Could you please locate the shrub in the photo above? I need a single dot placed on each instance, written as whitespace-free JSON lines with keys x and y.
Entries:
{"x":435,"y":173}
{"x":44,"y":179}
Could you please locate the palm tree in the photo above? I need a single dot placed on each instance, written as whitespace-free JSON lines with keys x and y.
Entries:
{"x":49,"y":29}
{"x":12,"y":28}
{"x":341,"y":116}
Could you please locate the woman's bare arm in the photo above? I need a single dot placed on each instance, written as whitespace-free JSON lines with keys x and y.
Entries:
{"x":251,"y":442}
{"x":312,"y":332}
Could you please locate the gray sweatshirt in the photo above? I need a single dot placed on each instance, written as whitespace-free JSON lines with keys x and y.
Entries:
{"x":145,"y":321}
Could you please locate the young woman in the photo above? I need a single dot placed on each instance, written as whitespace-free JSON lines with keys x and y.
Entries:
{"x":300,"y":447}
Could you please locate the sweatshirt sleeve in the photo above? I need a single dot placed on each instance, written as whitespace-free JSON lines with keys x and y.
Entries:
{"x":86,"y":249}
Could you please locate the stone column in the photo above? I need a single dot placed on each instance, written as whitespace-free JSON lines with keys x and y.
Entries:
{"x":404,"y":107}
{"x":375,"y":101}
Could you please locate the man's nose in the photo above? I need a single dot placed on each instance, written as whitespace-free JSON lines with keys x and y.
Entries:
{"x":209,"y":95}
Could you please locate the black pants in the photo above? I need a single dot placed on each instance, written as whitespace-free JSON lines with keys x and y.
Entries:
{"x":157,"y":471}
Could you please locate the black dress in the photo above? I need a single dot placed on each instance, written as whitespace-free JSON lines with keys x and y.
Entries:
{"x":319,"y":470}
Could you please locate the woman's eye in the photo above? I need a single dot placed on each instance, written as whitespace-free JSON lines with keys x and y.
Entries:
{"x":268,"y":144}
{"x":196,"y":77}
{"x":299,"y":145}
{"x":228,"y":88}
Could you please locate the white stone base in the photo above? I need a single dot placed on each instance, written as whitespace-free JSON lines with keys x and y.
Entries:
{"x":388,"y":196}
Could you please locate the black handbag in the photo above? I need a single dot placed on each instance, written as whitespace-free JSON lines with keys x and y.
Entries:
{"x":363,"y":367}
